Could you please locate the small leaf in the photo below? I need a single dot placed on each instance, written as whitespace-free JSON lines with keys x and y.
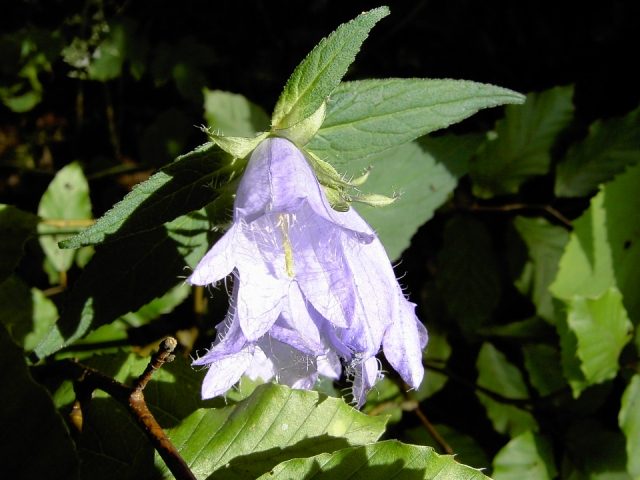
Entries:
{"x":274,"y":424}
{"x":370,"y":116}
{"x":541,"y":361}
{"x":233,"y":115}
{"x":610,"y":146}
{"x":468,"y":276}
{"x":125,"y":275}
{"x":527,"y":456}
{"x":378,"y":461}
{"x":545,"y":243}
{"x":35,"y":442}
{"x":66,"y":198}
{"x":320,"y":72}
{"x":26,"y":312}
{"x":522,"y":144}
{"x":187,"y":184}
{"x":16,"y":227}
{"x":497,"y":374}
{"x":629,"y":420}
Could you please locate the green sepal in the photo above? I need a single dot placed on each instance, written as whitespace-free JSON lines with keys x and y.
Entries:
{"x":237,"y":147}
{"x":304,"y":130}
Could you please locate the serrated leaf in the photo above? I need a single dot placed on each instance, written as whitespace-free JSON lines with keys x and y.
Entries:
{"x":610,"y":146}
{"x":467,"y":273}
{"x":521,"y":147}
{"x":66,"y":198}
{"x":541,"y":362}
{"x":424,"y":185}
{"x":187,"y":184}
{"x":233,"y":115}
{"x":602,"y":328}
{"x":545,"y":243}
{"x":16,"y":227}
{"x":274,"y":424}
{"x":527,"y":456}
{"x":629,"y":420}
{"x":370,"y":116}
{"x":378,"y":461}
{"x":320,"y":72}
{"x":497,"y":374}
{"x":126,"y":274}
{"x":34,"y":440}
{"x":26,"y":312}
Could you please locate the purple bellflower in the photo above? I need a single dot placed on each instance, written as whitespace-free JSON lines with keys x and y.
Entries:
{"x":313,"y":288}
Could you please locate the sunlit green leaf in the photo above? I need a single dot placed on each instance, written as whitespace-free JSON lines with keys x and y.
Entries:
{"x":498,"y":375}
{"x":274,"y":424}
{"x":233,"y":115}
{"x":522,"y":143}
{"x":34,"y":441}
{"x":378,"y":461}
{"x":545,"y":243}
{"x":187,"y":184}
{"x":66,"y":198}
{"x":528,"y":456}
{"x":126,"y":274}
{"x":629,"y":419}
{"x":16,"y":227}
{"x":370,"y":116}
{"x":320,"y":72}
{"x":610,"y":146}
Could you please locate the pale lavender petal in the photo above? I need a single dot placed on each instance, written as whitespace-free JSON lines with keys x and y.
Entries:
{"x":261,"y":367}
{"x":225,"y":372}
{"x":291,"y":367}
{"x":366,"y":375}
{"x":218,"y":262}
{"x":403,"y":343}
{"x":329,"y":365}
{"x":259,"y":303}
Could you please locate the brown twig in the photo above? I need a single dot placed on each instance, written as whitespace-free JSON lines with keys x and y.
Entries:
{"x":444,"y":445}
{"x":523,"y":206}
{"x":86,"y":380}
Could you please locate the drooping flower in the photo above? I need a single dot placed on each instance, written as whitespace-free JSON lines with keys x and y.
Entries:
{"x":313,"y":288}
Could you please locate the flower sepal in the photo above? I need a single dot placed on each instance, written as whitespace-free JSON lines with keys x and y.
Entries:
{"x":303,"y":131}
{"x":238,"y":147}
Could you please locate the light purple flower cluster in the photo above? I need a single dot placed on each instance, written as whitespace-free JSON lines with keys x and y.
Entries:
{"x":313,"y":288}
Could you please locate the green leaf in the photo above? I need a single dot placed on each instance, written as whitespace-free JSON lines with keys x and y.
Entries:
{"x":233,"y":115}
{"x":522,"y":143}
{"x":320,"y":72}
{"x":378,"y":461}
{"x":125,"y":275}
{"x":497,"y":374}
{"x":34,"y":441}
{"x":26,"y":312}
{"x":66,"y":198}
{"x":187,"y":184}
{"x":437,"y":352}
{"x":424,"y":185}
{"x":545,"y":243}
{"x":526,"y":457}
{"x":610,"y":146}
{"x":629,"y":420}
{"x":370,"y":116}
{"x":468,"y":276}
{"x":16,"y":227}
{"x":533,"y":328}
{"x":274,"y":424}
{"x":541,"y":361}
{"x":602,"y":328}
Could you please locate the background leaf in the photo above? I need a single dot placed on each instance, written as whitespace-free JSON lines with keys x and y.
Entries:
{"x":16,"y":227}
{"x":527,"y":456}
{"x":541,"y":362}
{"x":35,"y":442}
{"x":379,"y":461}
{"x":320,"y":72}
{"x":629,"y":420}
{"x":274,"y":424}
{"x":610,"y":146}
{"x":367,"y":117}
{"x":187,"y":184}
{"x":233,"y":115}
{"x":522,"y":143}
{"x":66,"y":198}
{"x":497,"y":374}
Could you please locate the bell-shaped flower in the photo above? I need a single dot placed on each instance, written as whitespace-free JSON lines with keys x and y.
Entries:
{"x":313,"y":287}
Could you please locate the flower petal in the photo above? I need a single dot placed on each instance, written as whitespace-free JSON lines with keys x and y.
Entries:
{"x":366,"y":375}
{"x":403,"y":343}
{"x":225,"y":372}
{"x":259,"y":302}
{"x":218,"y":262}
